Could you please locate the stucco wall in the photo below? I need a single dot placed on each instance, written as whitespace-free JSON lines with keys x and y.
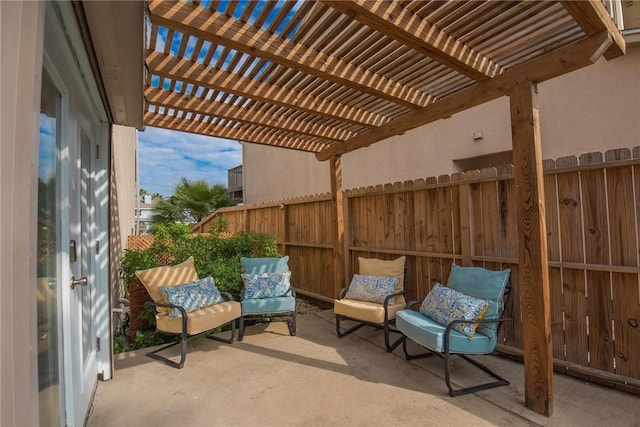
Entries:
{"x":278,"y":173}
{"x":592,"y":109}
{"x":124,"y":147}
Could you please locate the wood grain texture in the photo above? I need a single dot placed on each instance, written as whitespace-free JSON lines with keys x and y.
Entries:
{"x":534,"y":272}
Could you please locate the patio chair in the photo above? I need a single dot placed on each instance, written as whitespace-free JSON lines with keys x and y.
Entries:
{"x":373,"y":298}
{"x":187,"y":306}
{"x":463,"y":318}
{"x":267,"y":291}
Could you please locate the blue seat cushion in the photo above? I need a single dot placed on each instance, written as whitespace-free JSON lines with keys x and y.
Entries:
{"x":269,"y":305}
{"x":430,"y":334}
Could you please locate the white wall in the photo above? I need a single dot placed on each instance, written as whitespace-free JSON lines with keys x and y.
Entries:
{"x":593,"y":109}
{"x":21,"y":36}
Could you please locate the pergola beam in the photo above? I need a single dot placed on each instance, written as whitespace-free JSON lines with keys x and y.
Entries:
{"x":180,"y":69}
{"x":227,"y":31}
{"x":252,"y":134}
{"x":250,"y":115}
{"x":392,"y":20}
{"x":593,"y":18}
{"x":553,"y":64}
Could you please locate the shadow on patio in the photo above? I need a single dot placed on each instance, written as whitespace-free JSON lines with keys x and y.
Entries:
{"x":317,"y":379}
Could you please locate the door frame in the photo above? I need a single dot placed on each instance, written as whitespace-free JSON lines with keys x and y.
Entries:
{"x":66,"y":61}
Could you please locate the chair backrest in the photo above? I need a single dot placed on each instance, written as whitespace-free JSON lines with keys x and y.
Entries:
{"x":387,"y":268}
{"x":265,"y":265}
{"x":482,"y":283}
{"x":253,"y":266}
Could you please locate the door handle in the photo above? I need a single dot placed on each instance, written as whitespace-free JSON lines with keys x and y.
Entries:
{"x":78,"y":282}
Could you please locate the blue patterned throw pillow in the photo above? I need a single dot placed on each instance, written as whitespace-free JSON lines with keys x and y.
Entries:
{"x":445,"y":304}
{"x":192,"y":296}
{"x":371,"y":288}
{"x":266,"y":285}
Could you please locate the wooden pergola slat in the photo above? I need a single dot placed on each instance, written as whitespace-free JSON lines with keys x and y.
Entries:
{"x":561,"y":61}
{"x":224,"y":30}
{"x":400,"y":24}
{"x":191,"y":72}
{"x":229,"y":111}
{"x":183,"y":124}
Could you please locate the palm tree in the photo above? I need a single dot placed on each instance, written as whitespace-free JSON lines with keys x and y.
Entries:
{"x":191,"y":202}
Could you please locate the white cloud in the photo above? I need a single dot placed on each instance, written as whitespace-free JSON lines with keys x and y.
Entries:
{"x":166,"y":156}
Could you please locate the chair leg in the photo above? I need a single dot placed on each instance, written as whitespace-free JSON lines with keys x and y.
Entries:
{"x":340,"y":333}
{"x":241,"y":328}
{"x":183,"y":353}
{"x":229,"y":340}
{"x":396,"y":343}
{"x":414,"y":356}
{"x":447,"y":377}
{"x":291,"y":324}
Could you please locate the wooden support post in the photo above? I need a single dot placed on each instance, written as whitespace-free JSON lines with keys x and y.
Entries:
{"x":533,"y":275}
{"x":338,"y":224}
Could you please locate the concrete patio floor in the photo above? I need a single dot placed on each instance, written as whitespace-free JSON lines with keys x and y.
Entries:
{"x":316,"y":379}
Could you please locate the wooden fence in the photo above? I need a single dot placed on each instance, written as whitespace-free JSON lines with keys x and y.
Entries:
{"x":593,"y":227}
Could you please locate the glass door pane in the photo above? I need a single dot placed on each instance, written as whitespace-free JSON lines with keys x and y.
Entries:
{"x":47,"y":293}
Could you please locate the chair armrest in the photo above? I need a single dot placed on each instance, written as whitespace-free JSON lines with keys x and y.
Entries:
{"x":342,"y":292}
{"x":447,"y":331}
{"x":227,"y":296}
{"x":388,"y":297}
{"x":183,"y":314}
{"x":411,"y":304}
{"x":167,"y":305}
{"x":293,"y":291}
{"x":496,"y":320}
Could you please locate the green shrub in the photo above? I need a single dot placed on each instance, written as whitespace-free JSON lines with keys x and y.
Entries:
{"x":213,"y":256}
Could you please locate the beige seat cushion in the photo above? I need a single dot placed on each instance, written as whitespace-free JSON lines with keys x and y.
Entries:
{"x":363,"y":310}
{"x":386,"y":268}
{"x":201,"y":320}
{"x":170,"y":275}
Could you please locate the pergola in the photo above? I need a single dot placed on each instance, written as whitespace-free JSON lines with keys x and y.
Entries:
{"x":330,"y":77}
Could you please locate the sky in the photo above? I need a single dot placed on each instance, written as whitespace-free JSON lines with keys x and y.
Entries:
{"x":165,"y":156}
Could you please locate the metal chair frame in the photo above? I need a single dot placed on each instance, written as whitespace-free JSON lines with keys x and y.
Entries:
{"x":446,"y":355}
{"x":184,"y":337}
{"x":291,"y":321}
{"x":388,"y":325}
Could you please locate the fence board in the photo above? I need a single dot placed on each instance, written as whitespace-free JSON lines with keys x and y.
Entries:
{"x":508,"y":219}
{"x":475,"y":214}
{"x":596,"y":228}
{"x":557,"y":313}
{"x":626,"y":308}
{"x":601,"y":350}
{"x":490,"y":229}
{"x":624,"y":250}
{"x":570,"y":217}
{"x":575,"y":319}
{"x":551,"y":213}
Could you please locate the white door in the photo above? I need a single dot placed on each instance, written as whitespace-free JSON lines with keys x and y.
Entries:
{"x":81,"y":335}
{"x":81,"y":209}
